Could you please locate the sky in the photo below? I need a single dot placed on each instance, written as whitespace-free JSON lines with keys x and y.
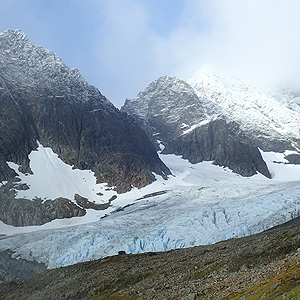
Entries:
{"x":120,"y":46}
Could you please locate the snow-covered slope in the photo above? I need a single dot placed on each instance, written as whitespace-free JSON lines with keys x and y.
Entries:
{"x":201,"y":204}
{"x":262,"y":116}
{"x":288,"y":97}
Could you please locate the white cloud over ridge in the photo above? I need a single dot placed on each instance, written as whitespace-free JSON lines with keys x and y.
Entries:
{"x":258,"y":40}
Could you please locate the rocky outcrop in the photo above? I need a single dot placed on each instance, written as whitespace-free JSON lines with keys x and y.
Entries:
{"x":22,"y":212}
{"x":85,"y":203}
{"x":172,"y":114}
{"x":293,"y":159}
{"x":225,"y":145}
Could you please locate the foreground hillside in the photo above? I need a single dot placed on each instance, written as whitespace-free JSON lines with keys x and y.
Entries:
{"x":264,"y":264}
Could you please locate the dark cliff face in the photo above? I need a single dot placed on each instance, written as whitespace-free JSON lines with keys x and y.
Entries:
{"x":222,"y":143}
{"x":170,"y":111}
{"x":41,"y":99}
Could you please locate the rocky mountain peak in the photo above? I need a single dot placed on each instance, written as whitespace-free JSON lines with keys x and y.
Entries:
{"x":168,"y":105}
{"x":166,"y":86}
{"x":24,"y":63}
{"x":14,"y":34}
{"x":172,"y":114}
{"x":167,"y":98}
{"x":44,"y":100}
{"x":16,"y":46}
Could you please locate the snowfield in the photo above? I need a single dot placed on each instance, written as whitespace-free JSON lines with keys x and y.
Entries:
{"x":200,"y":204}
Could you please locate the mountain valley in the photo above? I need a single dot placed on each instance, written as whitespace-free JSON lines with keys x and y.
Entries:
{"x":193,"y":164}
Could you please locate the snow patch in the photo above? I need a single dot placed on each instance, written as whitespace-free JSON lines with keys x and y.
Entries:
{"x":183,"y":125}
{"x":193,"y":127}
{"x":289,"y":152}
{"x":161,"y":145}
{"x":52,"y":178}
{"x":280,"y":168}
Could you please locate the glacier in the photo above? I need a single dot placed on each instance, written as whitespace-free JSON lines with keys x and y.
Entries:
{"x":200,"y":204}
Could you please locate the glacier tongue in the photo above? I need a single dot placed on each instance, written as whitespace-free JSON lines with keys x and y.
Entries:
{"x":204,"y":205}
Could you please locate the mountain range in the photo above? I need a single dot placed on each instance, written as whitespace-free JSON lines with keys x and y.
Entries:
{"x":185,"y":163}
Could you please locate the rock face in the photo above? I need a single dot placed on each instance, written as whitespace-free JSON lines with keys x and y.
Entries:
{"x":225,"y":145}
{"x":44,"y":100}
{"x":12,"y":268}
{"x":171,"y":113}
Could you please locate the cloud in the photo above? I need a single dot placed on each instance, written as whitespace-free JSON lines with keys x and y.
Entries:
{"x":138,"y":41}
{"x":261,"y":39}
{"x":258,"y":40}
